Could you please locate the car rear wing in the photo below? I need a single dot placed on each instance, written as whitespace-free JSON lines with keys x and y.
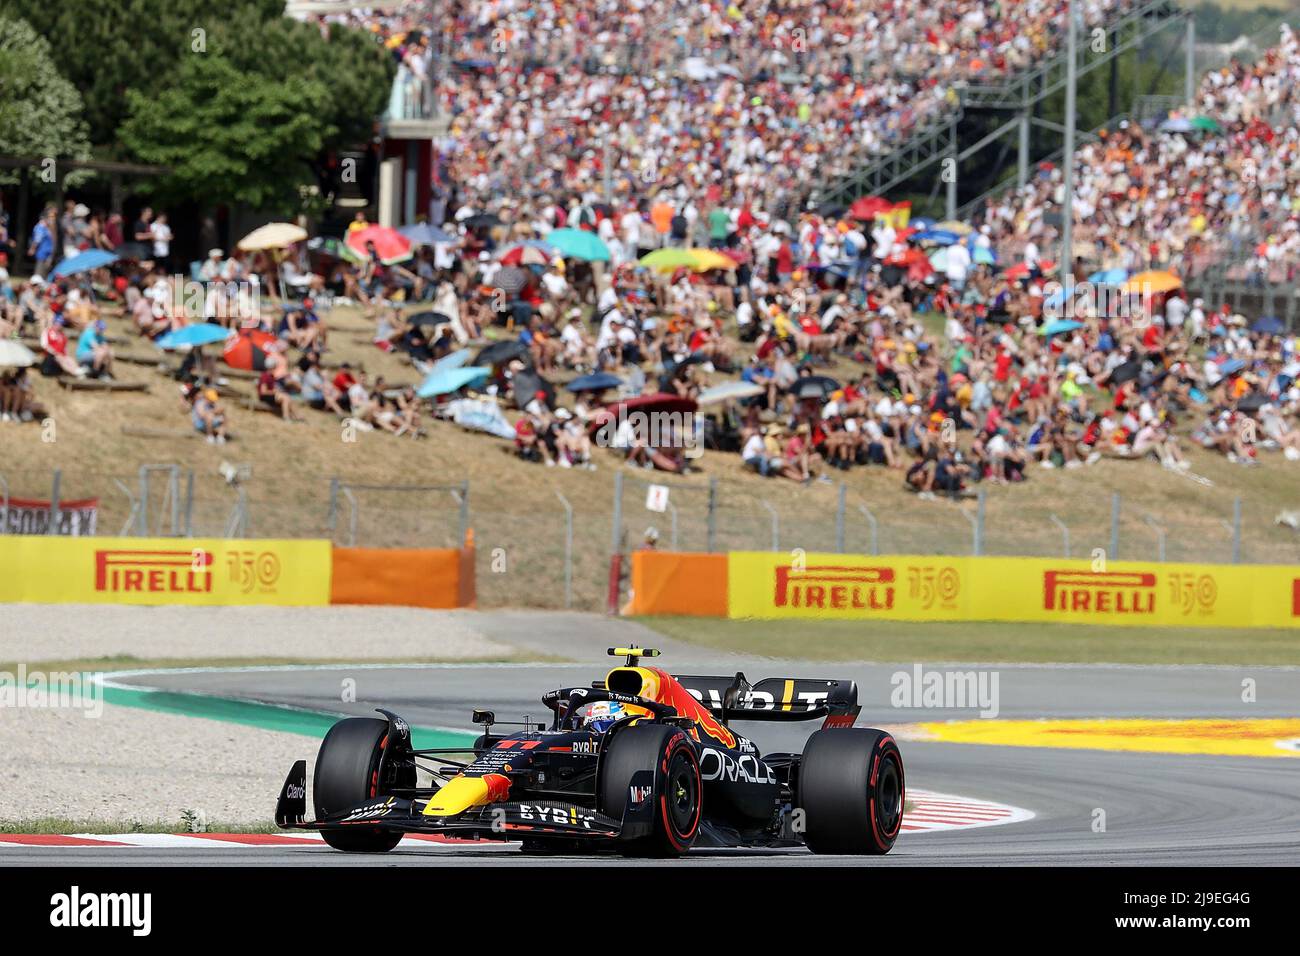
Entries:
{"x":775,"y":698}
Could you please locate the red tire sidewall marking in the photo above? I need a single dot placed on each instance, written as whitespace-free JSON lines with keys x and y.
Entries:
{"x":676,"y":840}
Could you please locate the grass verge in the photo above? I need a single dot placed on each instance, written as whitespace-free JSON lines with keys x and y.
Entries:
{"x":985,"y":641}
{"x":123,"y":662}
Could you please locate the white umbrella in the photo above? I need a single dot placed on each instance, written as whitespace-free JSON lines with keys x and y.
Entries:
{"x":274,"y":235}
{"x":15,"y":354}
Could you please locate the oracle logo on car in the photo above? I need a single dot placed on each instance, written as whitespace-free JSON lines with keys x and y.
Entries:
{"x":1100,"y":592}
{"x":154,"y":572}
{"x":834,"y":588}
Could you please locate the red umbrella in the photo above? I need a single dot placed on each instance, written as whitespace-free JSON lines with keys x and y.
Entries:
{"x":391,"y":245}
{"x":659,"y":403}
{"x":248,"y":349}
{"x":1021,"y":269}
{"x":867,"y":207}
{"x":524,"y":256}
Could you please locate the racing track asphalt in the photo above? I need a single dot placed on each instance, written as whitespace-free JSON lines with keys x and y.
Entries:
{"x":1161,"y":809}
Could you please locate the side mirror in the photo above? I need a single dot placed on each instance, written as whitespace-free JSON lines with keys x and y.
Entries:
{"x":483,"y":717}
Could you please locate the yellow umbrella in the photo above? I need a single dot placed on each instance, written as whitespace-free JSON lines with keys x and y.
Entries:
{"x":706,"y":259}
{"x":952,"y":225}
{"x":1154,"y":282}
{"x":274,"y":235}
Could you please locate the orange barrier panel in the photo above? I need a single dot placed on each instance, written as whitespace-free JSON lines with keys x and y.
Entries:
{"x":411,"y":577}
{"x":666,"y":582}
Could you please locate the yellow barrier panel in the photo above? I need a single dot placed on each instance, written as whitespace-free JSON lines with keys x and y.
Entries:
{"x":936,"y":588}
{"x":163,"y":571}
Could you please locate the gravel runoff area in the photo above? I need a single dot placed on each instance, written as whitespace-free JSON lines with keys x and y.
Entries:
{"x":44,"y":632}
{"x":137,"y":765}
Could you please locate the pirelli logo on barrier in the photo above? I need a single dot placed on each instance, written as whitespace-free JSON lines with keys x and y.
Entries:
{"x":1100,"y":592}
{"x":212,"y":571}
{"x":154,"y":572}
{"x":834,"y":588}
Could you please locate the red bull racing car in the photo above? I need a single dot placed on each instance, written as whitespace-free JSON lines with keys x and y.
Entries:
{"x":642,"y":763}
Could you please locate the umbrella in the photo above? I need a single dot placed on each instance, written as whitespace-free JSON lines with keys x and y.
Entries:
{"x":666,"y":260}
{"x":483,"y":220}
{"x":274,"y":235}
{"x":1252,"y":402}
{"x":1056,"y":328}
{"x":1232,"y":366}
{"x":939,"y":258}
{"x":706,"y":259}
{"x":392,"y":246}
{"x":939,"y":237}
{"x":499,"y":353}
{"x":868,"y":207}
{"x":579,"y":244}
{"x":1268,"y":325}
{"x":1153,"y":282}
{"x":480,"y":416}
{"x":953,"y":225}
{"x":247,"y":350}
{"x":193,"y":336}
{"x":527,"y":383}
{"x":1109,"y":277}
{"x":596,"y":382}
{"x":15,"y":354}
{"x":423,"y":234}
{"x":814,"y":386}
{"x":1176,"y":124}
{"x":659,"y":403}
{"x":1207,"y":124}
{"x":984,"y":256}
{"x":511,"y":280}
{"x":1126,"y":372}
{"x":525,"y":256}
{"x":442,"y":381}
{"x":428,"y":318}
{"x":450,"y":361}
{"x":729,"y":391}
{"x":329,"y":246}
{"x":84,"y":262}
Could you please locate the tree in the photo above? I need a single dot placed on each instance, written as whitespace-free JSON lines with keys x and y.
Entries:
{"x":40,"y":111}
{"x":229,"y":136}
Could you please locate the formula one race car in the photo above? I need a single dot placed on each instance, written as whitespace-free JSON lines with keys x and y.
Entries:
{"x":642,"y":763}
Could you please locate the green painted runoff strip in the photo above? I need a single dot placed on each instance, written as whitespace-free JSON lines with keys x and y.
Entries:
{"x":290,"y":720}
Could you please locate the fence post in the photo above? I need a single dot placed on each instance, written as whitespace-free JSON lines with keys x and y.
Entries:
{"x":839,"y":520}
{"x":1114,"y":527}
{"x":189,"y":504}
{"x":464,"y":512}
{"x":979,"y":524}
{"x":1160,"y":536}
{"x":776,"y":525}
{"x":55,"y":487}
{"x":871,"y":520}
{"x":1236,"y":530}
{"x":332,"y":520}
{"x":1065,"y":531}
{"x":713,"y":515}
{"x":568,"y":550}
{"x":672,"y":517}
{"x":618,"y":512}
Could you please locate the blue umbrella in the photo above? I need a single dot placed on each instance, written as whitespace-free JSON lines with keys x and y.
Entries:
{"x":1232,"y":366}
{"x":1176,"y":125}
{"x":1056,"y":328}
{"x":443,"y":381}
{"x":596,"y":382}
{"x":423,"y":234}
{"x":940,"y":237}
{"x":84,"y":262}
{"x":452,"y":360}
{"x":1109,"y":277}
{"x":192,"y":336}
{"x":984,"y":256}
{"x":1268,"y":325}
{"x":921,"y":222}
{"x":579,"y":244}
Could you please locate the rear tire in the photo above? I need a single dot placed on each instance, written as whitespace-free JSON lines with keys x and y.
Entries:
{"x":347,"y":773}
{"x":677,"y":786}
{"x":851,"y":789}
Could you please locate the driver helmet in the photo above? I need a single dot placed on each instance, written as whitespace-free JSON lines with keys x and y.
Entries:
{"x":603,"y":714}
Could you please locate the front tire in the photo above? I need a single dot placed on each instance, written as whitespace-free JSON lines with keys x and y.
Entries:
{"x":347,"y":773}
{"x":851,"y":789}
{"x":677,"y":786}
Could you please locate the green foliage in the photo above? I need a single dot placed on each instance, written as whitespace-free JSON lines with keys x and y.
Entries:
{"x":40,"y":111}
{"x":229,"y":137}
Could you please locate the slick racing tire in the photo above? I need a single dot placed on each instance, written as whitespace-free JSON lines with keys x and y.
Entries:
{"x":851,"y":791}
{"x":676,"y":790}
{"x":347,"y":773}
